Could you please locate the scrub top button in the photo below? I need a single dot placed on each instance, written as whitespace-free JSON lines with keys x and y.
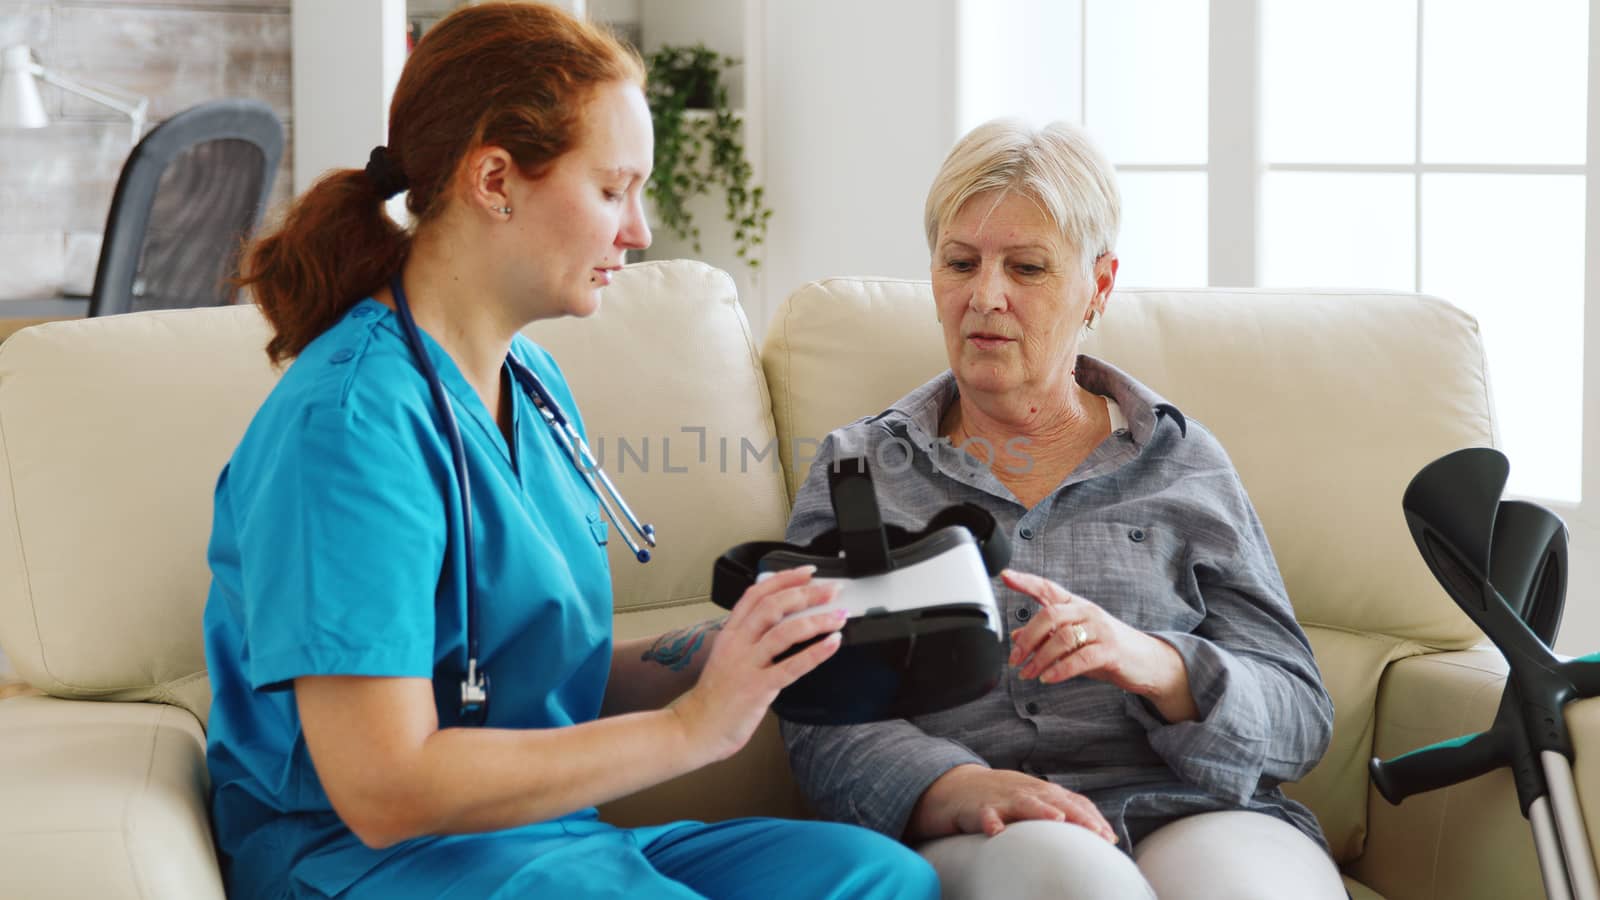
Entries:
{"x":1023,"y":614}
{"x":1032,"y":708}
{"x":1026,"y":533}
{"x":1136,"y":535}
{"x":343,"y":356}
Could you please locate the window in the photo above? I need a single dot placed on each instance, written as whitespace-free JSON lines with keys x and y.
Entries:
{"x":1445,"y":155}
{"x":1422,"y":145}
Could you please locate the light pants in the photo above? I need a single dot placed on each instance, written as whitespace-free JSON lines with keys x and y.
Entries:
{"x":1235,"y":855}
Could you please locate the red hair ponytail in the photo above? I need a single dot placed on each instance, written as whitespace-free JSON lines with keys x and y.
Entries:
{"x":512,"y":75}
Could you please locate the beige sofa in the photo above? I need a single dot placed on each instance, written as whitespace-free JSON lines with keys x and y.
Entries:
{"x":112,"y":432}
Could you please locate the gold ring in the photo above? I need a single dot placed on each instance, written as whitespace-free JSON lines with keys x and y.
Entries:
{"x":1080,"y":635}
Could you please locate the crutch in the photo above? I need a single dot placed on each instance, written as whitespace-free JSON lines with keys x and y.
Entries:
{"x":1504,"y":562}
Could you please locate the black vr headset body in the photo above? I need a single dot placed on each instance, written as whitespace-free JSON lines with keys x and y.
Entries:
{"x":923,"y":632}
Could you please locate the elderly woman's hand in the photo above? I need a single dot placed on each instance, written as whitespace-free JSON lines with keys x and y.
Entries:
{"x":1071,"y":636}
{"x":974,"y":799}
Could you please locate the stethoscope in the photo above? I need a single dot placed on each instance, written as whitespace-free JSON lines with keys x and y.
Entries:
{"x":475,"y":686}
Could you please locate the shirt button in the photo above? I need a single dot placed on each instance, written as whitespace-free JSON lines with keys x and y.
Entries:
{"x":1024,"y":613}
{"x":1032,"y":708}
{"x":343,"y":356}
{"x":1136,"y":535}
{"x":1026,"y":533}
{"x":361,"y":312}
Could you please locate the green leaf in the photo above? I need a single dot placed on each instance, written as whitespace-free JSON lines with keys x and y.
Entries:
{"x":695,"y":155}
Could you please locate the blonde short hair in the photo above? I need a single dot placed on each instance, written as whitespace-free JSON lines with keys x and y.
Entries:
{"x":1057,"y":165}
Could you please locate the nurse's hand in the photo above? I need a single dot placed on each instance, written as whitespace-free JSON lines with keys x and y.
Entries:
{"x":741,"y":679}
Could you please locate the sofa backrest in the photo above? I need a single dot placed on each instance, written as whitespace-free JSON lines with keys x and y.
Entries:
{"x":113,"y":432}
{"x":1328,"y":402}
{"x":676,"y":406}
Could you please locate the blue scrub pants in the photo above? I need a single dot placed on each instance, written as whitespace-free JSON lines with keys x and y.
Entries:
{"x":760,"y":858}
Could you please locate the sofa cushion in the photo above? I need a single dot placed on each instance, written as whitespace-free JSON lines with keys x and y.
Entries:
{"x":1352,"y":664}
{"x":103,"y":800}
{"x":677,"y":410}
{"x":1328,"y":402}
{"x":843,"y":348}
{"x":112,"y":434}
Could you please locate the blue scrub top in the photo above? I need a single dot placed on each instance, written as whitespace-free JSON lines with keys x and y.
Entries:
{"x":328,"y":558}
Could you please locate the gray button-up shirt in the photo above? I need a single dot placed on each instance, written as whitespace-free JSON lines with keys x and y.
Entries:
{"x":1155,"y":527}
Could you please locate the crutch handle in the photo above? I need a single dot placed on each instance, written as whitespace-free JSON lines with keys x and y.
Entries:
{"x":1438,"y":765}
{"x":1584,"y":673}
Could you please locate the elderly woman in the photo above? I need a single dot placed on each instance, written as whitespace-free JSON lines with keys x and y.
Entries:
{"x":1159,"y":689}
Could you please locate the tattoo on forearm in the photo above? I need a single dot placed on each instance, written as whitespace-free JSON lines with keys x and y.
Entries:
{"x":676,"y":649}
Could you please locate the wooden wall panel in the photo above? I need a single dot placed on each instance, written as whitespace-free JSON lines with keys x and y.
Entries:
{"x":56,"y":182}
{"x":24,"y":23}
{"x":176,"y":57}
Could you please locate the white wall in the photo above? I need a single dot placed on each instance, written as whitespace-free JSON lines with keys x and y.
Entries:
{"x":849,"y":109}
{"x":1581,"y":632}
{"x":858,"y":116}
{"x":852,"y":106}
{"x":1038,"y":78}
{"x":721,"y":25}
{"x":347,"y":59}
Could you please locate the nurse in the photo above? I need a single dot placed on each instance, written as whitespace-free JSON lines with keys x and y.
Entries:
{"x":343,"y":759}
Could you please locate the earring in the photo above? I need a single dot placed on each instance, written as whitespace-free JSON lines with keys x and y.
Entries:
{"x":1091,"y":318}
{"x":503,"y":210}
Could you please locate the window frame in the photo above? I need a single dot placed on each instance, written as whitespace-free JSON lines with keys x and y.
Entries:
{"x":1235,"y":168}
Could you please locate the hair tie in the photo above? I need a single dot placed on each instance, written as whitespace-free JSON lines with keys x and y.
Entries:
{"x":384,"y":174}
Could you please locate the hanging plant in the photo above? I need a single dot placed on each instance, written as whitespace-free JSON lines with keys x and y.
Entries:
{"x":699,"y":147}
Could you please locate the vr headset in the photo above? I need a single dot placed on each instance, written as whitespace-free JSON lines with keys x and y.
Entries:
{"x":923,"y":632}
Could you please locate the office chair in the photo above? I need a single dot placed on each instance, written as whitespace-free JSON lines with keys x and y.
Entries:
{"x":190,"y":194}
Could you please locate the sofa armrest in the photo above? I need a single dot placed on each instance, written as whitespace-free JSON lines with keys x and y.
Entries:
{"x":1465,"y":841}
{"x":103,"y":799}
